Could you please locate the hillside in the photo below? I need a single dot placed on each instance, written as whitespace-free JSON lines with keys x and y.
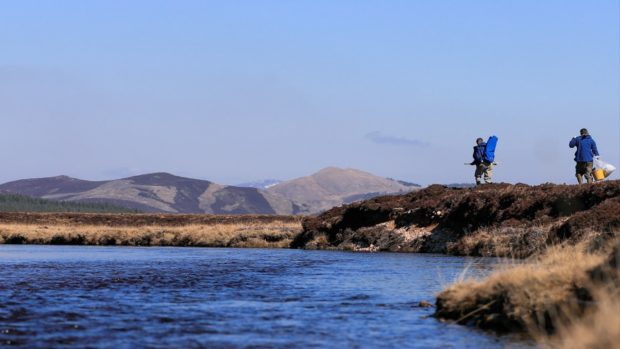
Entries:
{"x":167,"y":193}
{"x":23,"y":203}
{"x":156,"y":192}
{"x":334,"y":186}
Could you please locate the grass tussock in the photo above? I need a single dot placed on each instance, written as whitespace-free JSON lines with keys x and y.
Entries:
{"x":505,"y":242}
{"x":272,"y":234}
{"x":599,"y":329}
{"x":566,"y":297}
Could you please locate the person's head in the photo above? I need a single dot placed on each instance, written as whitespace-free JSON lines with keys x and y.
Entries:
{"x":479,"y":141}
{"x":583,"y":132}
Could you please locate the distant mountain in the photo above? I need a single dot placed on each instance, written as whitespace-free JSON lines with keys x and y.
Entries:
{"x":263,"y":184}
{"x":333,"y":186}
{"x":155,"y":192}
{"x":164,"y":192}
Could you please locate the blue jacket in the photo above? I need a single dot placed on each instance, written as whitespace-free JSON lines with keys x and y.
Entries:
{"x":586,"y":148}
{"x":479,"y":153}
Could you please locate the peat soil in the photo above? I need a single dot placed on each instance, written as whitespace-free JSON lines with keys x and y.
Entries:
{"x":489,"y":220}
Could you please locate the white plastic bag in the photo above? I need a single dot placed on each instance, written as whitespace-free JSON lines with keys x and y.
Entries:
{"x":605,"y":166}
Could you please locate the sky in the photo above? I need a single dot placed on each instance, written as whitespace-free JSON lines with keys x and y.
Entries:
{"x":234,"y":91}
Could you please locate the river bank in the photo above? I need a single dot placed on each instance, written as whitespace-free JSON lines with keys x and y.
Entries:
{"x":491,"y":220}
{"x":261,"y":231}
{"x":568,"y":297}
{"x":565,"y":294}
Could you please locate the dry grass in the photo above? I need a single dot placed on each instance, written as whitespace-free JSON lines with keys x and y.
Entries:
{"x":567,"y":297}
{"x":599,"y":329}
{"x":275,"y":234}
{"x":521,"y":242}
{"x":506,"y":242}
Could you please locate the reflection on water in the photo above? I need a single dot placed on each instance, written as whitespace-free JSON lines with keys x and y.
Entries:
{"x":199,"y":297}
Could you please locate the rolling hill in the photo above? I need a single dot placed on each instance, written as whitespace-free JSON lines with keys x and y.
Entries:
{"x":333,"y":186}
{"x":164,"y":192}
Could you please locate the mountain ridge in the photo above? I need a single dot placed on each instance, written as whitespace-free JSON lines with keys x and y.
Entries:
{"x":167,"y":193}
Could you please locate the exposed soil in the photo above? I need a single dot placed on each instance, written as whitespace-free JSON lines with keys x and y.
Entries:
{"x":495,"y":219}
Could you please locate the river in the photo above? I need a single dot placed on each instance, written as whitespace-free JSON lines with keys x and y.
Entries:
{"x":127,"y":297}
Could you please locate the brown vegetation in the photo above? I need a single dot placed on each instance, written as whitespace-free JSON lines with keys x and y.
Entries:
{"x":569,"y":293}
{"x":600,"y":328}
{"x":489,"y":220}
{"x":148,"y":229}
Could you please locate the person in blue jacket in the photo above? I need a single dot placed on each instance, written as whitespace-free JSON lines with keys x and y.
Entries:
{"x":483,"y":166}
{"x":584,"y":156}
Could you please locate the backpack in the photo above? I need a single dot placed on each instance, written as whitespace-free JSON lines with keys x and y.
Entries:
{"x":489,"y":151}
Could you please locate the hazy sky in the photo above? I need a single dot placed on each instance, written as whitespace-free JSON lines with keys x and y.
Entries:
{"x":232,"y":91}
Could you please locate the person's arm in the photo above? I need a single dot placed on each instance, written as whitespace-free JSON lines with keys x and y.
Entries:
{"x":573,"y":142}
{"x":594,"y":149}
{"x":477,"y":158}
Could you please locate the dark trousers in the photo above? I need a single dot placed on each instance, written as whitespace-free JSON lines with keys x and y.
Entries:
{"x":583,"y":169}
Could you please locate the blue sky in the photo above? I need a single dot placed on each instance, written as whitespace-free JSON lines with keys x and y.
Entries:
{"x":233,"y":91}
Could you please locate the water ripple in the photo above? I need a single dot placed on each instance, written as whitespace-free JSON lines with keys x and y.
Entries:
{"x":112,"y":297}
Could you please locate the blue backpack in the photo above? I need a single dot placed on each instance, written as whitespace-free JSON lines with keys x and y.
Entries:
{"x":489,"y":152}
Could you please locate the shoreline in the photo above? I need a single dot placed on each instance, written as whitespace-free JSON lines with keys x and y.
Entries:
{"x":568,"y":296}
{"x":148,"y":230}
{"x":501,"y":220}
{"x":569,"y":235}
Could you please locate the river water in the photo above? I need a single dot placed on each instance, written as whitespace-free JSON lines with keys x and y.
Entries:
{"x":127,"y":297}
